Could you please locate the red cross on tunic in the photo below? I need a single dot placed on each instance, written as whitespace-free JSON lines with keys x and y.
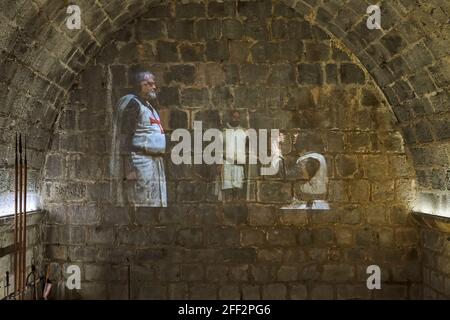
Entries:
{"x":158,"y":122}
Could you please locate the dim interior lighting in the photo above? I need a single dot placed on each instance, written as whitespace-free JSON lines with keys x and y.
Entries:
{"x":7,"y":203}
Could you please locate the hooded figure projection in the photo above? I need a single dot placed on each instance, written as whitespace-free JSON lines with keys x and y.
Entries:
{"x":141,"y":146}
{"x":314,"y":167}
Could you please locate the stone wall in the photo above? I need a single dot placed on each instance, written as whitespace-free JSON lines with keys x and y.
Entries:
{"x":281,"y":72}
{"x":35,"y":250}
{"x":408,"y":59}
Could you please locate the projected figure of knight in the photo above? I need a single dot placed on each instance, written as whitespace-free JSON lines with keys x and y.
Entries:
{"x":142,"y":146}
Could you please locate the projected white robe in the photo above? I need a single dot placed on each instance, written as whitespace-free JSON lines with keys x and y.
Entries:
{"x":236,"y":171}
{"x":142,"y":146}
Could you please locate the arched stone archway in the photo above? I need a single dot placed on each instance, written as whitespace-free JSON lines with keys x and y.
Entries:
{"x":407,"y":59}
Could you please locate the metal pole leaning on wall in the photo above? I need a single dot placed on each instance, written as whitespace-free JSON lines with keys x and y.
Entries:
{"x":24,"y":240}
{"x":16,"y":221}
{"x":20,"y":217}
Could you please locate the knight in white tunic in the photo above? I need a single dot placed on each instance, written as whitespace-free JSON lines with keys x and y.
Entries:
{"x":142,"y":146}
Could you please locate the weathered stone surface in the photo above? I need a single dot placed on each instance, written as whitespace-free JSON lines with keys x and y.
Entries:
{"x":208,"y":29}
{"x":351,"y":73}
{"x":274,"y":292}
{"x":310,"y":74}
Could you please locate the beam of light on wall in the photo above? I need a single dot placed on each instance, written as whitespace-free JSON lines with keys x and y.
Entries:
{"x":434,"y":204}
{"x":7,"y":203}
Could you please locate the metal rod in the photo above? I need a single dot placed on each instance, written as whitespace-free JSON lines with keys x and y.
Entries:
{"x":129,"y":279}
{"x":33,"y":269}
{"x":16,"y":222}
{"x":24,"y":241}
{"x":7,"y":284}
{"x":20,"y":215}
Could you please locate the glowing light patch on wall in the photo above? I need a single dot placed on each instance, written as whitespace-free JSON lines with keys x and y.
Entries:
{"x":302,"y":205}
{"x":7,"y":203}
{"x":434,"y":204}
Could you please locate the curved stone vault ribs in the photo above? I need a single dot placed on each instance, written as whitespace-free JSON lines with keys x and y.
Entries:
{"x":408,"y":59}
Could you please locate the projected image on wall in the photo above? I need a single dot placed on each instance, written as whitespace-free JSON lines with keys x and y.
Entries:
{"x":139,"y":147}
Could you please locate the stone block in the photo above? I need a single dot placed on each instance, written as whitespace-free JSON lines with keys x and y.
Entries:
{"x":184,"y":74}
{"x":167,"y":51}
{"x":254,"y":73}
{"x":406,"y":236}
{"x":190,"y":238}
{"x":209,"y":118}
{"x":150,"y":30}
{"x":229,"y":292}
{"x":351,"y":73}
{"x":192,"y":272}
{"x":158,"y":11}
{"x":192,"y":52}
{"x":221,"y":8}
{"x":169,"y":96}
{"x":310,"y":74}
{"x":279,"y":29}
{"x":239,"y":51}
{"x":178,"y":291}
{"x":181,"y":30}
{"x":353,"y":292}
{"x":323,"y":236}
{"x":365,"y":237}
{"x":232,"y":29}
{"x":150,"y":292}
{"x":287,"y":273}
{"x":256,"y":29}
{"x":216,"y":273}
{"x":239,"y":273}
{"x":274,"y":192}
{"x":294,"y":217}
{"x":316,"y":52}
{"x":331,"y":72}
{"x":101,"y":235}
{"x":255,"y":8}
{"x":291,"y":50}
{"x":281,"y":237}
{"x":208,"y":29}
{"x":261,"y":215}
{"x":190,"y":10}
{"x":382,"y":190}
{"x":252,"y":237}
{"x":251,"y":292}
{"x":217,"y":51}
{"x":222,"y":97}
{"x":238,"y":255}
{"x":322,"y":292}
{"x":346,"y":165}
{"x":359,"y":190}
{"x":194,"y":97}
{"x":393,"y":42}
{"x":376,"y":214}
{"x":281,"y":75}
{"x":276,"y":291}
{"x":344,"y":236}
{"x":375,"y":166}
